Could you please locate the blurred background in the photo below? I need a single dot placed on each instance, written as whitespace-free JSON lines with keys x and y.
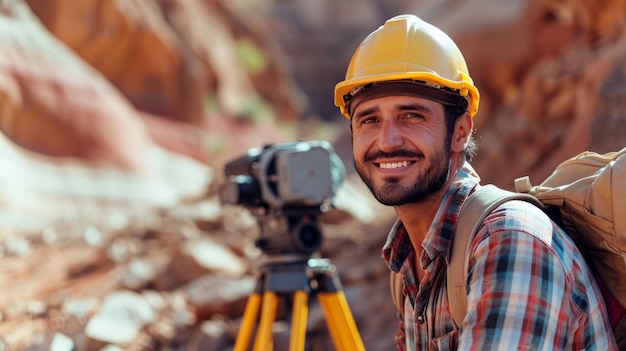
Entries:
{"x":117,"y":118}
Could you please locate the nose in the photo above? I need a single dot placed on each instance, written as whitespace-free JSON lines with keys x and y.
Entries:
{"x":390,"y":137}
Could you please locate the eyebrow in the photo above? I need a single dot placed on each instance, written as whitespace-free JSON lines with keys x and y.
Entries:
{"x":365,"y":112}
{"x":400,"y":107}
{"x":415,"y":107}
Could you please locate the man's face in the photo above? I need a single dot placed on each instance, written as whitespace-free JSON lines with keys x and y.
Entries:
{"x":401,"y":148}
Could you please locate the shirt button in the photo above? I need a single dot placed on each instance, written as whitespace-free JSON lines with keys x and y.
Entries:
{"x":420,"y":319}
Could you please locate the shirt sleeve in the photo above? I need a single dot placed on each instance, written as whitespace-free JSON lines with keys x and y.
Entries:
{"x":518,"y":296}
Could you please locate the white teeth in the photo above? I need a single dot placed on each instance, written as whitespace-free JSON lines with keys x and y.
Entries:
{"x":394,"y":164}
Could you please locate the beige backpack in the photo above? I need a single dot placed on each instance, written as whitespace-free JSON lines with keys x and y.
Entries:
{"x":589,"y":192}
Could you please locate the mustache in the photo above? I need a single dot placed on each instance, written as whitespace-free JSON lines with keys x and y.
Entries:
{"x":396,"y":153}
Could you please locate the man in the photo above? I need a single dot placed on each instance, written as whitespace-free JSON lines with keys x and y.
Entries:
{"x":411,"y":103}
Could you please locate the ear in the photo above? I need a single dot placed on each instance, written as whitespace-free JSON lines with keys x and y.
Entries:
{"x":462,"y":132}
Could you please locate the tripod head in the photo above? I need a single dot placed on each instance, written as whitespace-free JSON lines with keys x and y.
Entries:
{"x":286,"y":187}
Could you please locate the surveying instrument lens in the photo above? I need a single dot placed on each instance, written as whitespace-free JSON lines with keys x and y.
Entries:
{"x":286,"y":187}
{"x":309,"y":237}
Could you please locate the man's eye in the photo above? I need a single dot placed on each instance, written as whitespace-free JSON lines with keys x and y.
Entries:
{"x":414,"y":115}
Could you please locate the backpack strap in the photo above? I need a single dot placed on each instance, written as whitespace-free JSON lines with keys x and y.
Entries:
{"x":475,"y":209}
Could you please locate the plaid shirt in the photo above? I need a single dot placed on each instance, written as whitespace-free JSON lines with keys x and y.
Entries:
{"x":528,"y":286}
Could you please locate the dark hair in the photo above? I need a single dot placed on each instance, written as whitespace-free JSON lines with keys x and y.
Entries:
{"x":452,"y":115}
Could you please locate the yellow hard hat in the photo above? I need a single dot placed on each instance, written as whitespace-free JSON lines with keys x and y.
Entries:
{"x":407,"y":48}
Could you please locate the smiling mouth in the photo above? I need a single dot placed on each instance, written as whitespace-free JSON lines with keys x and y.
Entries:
{"x":393,"y":165}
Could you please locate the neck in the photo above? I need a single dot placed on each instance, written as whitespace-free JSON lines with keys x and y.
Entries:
{"x":418,"y":216}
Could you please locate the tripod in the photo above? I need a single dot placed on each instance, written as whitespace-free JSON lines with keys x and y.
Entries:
{"x":302,"y":277}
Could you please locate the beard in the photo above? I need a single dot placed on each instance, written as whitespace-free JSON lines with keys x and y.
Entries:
{"x":430,"y":180}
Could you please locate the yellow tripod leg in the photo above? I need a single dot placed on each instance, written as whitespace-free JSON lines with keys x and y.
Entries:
{"x":247,"y":325}
{"x":298,"y":324}
{"x":265,"y":339}
{"x":340,"y":321}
